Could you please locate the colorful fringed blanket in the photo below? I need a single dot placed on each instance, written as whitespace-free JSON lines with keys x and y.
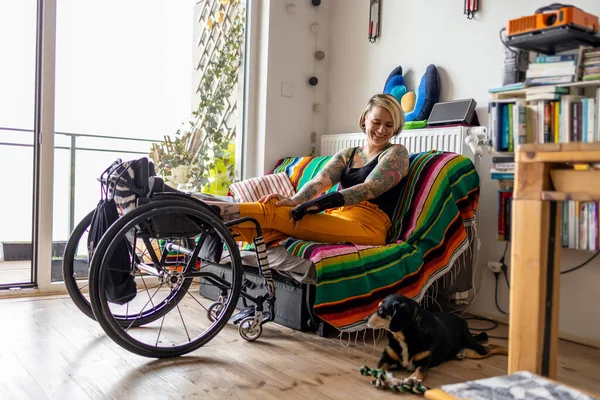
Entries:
{"x":429,"y":233}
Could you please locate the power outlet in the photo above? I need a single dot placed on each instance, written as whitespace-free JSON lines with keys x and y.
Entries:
{"x":495,"y":266}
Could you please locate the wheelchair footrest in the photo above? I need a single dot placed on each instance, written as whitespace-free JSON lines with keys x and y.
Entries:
{"x":246,"y":312}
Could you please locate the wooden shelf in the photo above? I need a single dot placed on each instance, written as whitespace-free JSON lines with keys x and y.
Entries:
{"x":520,"y":93}
{"x":562,"y":196}
{"x":559,"y":152}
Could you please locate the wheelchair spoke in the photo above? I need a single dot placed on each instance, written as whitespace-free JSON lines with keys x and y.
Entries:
{"x":147,"y":291}
{"x":196,"y":300}
{"x":183,"y":322}
{"x":143,"y":308}
{"x":162,"y":321}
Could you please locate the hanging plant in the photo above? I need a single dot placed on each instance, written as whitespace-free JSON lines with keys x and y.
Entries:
{"x":203,"y":143}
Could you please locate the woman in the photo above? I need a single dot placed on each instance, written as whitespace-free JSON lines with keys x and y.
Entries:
{"x":360,"y":212}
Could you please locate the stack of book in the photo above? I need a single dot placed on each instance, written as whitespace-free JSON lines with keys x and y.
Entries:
{"x":552,"y":70}
{"x":503,"y":167}
{"x":591,"y":64}
{"x":580,"y":225}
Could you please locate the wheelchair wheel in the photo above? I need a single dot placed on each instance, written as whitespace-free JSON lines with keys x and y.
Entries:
{"x":75,"y":274}
{"x":169,"y":299}
{"x":75,"y":265}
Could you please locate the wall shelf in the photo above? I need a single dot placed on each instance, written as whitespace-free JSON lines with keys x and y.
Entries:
{"x":564,"y":196}
{"x":555,"y":40}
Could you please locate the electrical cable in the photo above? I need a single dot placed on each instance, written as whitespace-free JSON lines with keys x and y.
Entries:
{"x":504,"y":43}
{"x":491,"y":328}
{"x":504,"y":272}
{"x":504,"y":254}
{"x":496,"y":295}
{"x":580,"y":265}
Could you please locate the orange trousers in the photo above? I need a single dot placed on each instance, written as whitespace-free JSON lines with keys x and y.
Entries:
{"x":363,"y":223}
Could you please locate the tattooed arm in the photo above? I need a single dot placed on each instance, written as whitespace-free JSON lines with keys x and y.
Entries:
{"x":329,"y":175}
{"x":390,"y":169}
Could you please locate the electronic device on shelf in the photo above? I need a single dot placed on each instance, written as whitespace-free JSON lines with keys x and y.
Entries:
{"x":553,"y":16}
{"x":460,"y":112}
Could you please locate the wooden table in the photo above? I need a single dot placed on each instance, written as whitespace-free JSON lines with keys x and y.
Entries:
{"x":536,"y":246}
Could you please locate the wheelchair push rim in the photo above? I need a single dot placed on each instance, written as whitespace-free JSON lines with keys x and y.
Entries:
{"x":76,"y":281}
{"x":179,"y":328}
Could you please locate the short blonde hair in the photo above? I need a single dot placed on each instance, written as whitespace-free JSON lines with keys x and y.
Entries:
{"x":389,"y":103}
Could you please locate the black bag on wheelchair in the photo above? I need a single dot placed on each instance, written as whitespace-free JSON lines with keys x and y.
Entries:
{"x":120,"y":283}
{"x":178,"y":225}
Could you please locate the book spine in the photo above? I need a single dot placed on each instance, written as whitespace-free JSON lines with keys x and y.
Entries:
{"x":565,"y":224}
{"x":553,"y":59}
{"x":583,"y":226}
{"x":584,"y":107}
{"x":511,"y":127}
{"x":571,"y":224}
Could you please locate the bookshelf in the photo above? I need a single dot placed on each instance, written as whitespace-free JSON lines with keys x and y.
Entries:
{"x":545,"y":115}
{"x":536,"y":247}
{"x":548,"y":132}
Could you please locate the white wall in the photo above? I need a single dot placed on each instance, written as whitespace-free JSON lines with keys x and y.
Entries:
{"x":469,"y":56}
{"x":414,"y":34}
{"x":286,"y":54}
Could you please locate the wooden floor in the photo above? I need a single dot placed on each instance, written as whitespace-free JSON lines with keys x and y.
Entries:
{"x":51,"y":350}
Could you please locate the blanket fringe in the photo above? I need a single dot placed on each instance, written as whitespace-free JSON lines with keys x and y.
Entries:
{"x":429,"y":293}
{"x":346,"y":338}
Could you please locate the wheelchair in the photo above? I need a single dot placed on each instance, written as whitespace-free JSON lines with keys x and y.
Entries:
{"x":161,"y":245}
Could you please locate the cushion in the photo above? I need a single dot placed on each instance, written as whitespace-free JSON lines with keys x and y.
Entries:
{"x":422,"y":99}
{"x":428,"y":93}
{"x":253,"y":189}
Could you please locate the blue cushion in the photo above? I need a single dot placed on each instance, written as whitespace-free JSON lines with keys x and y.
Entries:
{"x":428,"y":93}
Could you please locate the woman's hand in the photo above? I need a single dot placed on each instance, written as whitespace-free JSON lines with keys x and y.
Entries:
{"x":281,"y":200}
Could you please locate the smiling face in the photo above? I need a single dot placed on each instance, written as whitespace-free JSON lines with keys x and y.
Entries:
{"x":379,"y":126}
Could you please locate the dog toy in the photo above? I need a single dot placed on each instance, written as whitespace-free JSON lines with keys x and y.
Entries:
{"x":385,"y":380}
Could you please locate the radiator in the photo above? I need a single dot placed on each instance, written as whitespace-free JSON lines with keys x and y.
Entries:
{"x":450,"y":139}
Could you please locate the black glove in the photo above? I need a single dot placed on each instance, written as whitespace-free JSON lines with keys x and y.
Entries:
{"x":331,"y":200}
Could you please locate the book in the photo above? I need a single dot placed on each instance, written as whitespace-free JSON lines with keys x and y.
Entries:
{"x":507,"y":88}
{"x":556,"y":58}
{"x":550,"y":80}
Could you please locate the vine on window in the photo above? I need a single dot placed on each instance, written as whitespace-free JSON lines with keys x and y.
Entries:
{"x":203,"y":146}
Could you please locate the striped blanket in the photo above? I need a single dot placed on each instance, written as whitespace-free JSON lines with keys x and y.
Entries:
{"x":429,"y":233}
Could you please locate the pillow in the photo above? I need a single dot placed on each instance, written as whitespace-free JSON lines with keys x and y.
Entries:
{"x":253,"y":189}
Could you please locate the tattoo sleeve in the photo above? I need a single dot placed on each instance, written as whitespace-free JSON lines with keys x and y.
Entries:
{"x":390,"y":169}
{"x":230,"y":211}
{"x":329,"y":175}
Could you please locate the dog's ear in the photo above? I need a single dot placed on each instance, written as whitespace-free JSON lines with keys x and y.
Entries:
{"x":400,"y":312}
{"x":418,"y":317}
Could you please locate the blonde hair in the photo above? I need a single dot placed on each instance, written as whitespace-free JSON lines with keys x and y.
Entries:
{"x":389,"y":103}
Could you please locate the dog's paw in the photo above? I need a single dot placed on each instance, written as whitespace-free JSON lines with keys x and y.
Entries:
{"x":411,"y":381}
{"x":460,"y":355}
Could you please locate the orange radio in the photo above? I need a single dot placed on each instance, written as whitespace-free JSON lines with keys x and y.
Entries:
{"x":553,"y":16}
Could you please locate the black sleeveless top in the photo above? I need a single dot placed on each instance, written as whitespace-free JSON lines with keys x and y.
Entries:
{"x":353,"y":176}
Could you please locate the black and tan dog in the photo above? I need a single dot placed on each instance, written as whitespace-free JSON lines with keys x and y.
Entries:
{"x":420,"y":339}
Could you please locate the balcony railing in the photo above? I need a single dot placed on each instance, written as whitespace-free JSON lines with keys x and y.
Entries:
{"x":72,"y":147}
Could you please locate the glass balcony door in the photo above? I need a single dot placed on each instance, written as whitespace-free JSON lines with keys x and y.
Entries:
{"x":18,"y":32}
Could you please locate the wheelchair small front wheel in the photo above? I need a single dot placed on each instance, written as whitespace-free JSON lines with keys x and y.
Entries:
{"x":250,"y":329}
{"x":214,"y":310}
